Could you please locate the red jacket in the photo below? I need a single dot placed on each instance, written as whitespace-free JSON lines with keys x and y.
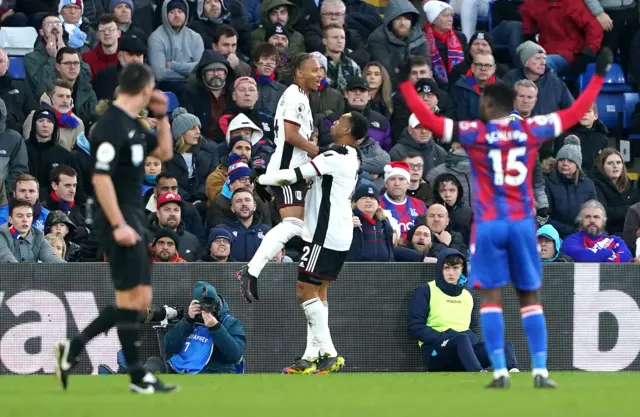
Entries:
{"x":566,"y":27}
{"x":98,"y":60}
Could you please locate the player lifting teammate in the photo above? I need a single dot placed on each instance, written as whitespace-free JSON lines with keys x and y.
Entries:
{"x":327,"y":214}
{"x":293,"y":129}
{"x":119,"y":144}
{"x":504,"y":246}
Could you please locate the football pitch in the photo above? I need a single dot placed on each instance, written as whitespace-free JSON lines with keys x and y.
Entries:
{"x":383,"y":394}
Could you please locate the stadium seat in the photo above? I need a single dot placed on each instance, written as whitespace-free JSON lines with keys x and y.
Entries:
{"x":173,"y":102}
{"x":18,"y":41}
{"x":16,"y":68}
{"x":614,"y":81}
{"x":630,"y":101}
{"x":610,"y":107}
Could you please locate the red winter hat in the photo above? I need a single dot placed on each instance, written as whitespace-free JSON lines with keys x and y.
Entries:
{"x":397,"y":168}
{"x":169,"y":197}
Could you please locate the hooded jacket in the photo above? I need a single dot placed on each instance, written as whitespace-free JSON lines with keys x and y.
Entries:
{"x":549,"y":231}
{"x":74,"y":252}
{"x":32,"y":249}
{"x":197,"y":96}
{"x":553,"y":94}
{"x":296,"y":40}
{"x":44,"y":156}
{"x":205,"y":157}
{"x":432,"y":153}
{"x":374,"y":158}
{"x":262,"y":121}
{"x":565,"y":199}
{"x":66,"y":136}
{"x":616,"y":203}
{"x":13,"y":152}
{"x":246,"y":239}
{"x":419,"y":309}
{"x":583,"y":247}
{"x":233,"y":14}
{"x":379,"y":127}
{"x":391,"y":51}
{"x":189,"y":247}
{"x":373,"y":241}
{"x":456,"y":163}
{"x":18,"y":99}
{"x":228,"y":335}
{"x":183,"y":48}
{"x":460,"y":214}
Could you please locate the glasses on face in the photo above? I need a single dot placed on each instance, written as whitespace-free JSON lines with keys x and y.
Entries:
{"x":483,"y":66}
{"x":53,"y":24}
{"x":107,"y":30}
{"x":416,"y":167}
{"x":70,"y":64}
{"x":333,"y":15}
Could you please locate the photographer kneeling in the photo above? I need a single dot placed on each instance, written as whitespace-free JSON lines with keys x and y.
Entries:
{"x":206,"y":340}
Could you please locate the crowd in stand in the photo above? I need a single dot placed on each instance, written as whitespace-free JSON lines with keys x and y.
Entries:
{"x":222,"y":60}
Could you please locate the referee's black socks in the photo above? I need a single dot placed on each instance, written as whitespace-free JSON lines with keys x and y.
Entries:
{"x":105,"y":320}
{"x":129,"y":335}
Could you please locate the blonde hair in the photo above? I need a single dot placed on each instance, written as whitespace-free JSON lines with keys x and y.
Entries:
{"x":622,"y":183}
{"x":53,"y":239}
{"x":384,"y":91}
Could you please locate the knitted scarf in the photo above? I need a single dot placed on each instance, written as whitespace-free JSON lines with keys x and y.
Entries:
{"x":66,"y":206}
{"x":472,"y":81}
{"x":263,"y":79}
{"x":323,"y":84}
{"x":14,"y":233}
{"x":66,"y":119}
{"x":455,"y":54}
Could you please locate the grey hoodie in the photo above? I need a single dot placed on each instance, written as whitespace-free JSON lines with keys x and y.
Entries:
{"x":13,"y":152}
{"x":183,"y":48}
{"x":598,"y":6}
{"x":374,"y":158}
{"x":32,"y":249}
{"x":390,"y":50}
{"x":432,"y":153}
{"x":457,"y":164}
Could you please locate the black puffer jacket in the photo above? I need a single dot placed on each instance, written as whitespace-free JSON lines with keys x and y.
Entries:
{"x":616,"y":203}
{"x":592,"y":141}
{"x":460,"y":214}
{"x":74,"y":252}
{"x":205,"y":157}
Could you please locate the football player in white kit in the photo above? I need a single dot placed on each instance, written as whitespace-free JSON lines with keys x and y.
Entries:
{"x":293,"y":128}
{"x":327,"y":215}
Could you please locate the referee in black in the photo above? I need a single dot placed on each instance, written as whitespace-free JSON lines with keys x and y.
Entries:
{"x":119,"y":145}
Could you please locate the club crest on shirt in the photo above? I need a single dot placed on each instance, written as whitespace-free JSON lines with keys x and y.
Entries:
{"x":467,"y":125}
{"x":413,"y":212}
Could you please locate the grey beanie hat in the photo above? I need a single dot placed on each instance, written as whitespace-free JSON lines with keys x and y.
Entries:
{"x":528,"y":49}
{"x":182,"y":121}
{"x":571,"y":150}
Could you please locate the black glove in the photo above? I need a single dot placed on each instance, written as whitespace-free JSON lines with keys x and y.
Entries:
{"x":248,"y":285}
{"x":603,"y":63}
{"x":342,"y":150}
{"x":404,"y":71}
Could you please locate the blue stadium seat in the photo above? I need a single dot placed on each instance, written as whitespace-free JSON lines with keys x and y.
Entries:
{"x":173,"y":102}
{"x":16,"y":67}
{"x":614,"y":81}
{"x":610,"y":106}
{"x":630,"y":101}
{"x":486,"y":20}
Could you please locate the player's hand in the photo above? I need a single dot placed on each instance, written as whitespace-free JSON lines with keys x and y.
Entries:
{"x":603,"y":63}
{"x":403,"y":71}
{"x":444,"y":237}
{"x":209,"y":319}
{"x":158,"y":104}
{"x":194,"y":309}
{"x":249,"y":288}
{"x":126,"y":236}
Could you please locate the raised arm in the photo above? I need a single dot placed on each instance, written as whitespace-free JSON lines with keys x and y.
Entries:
{"x":440,"y":126}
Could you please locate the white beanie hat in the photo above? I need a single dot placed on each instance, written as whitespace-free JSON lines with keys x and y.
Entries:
{"x":321,"y":59}
{"x":433,"y":8}
{"x":397,"y":168}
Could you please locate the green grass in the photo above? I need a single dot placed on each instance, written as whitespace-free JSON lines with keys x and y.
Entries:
{"x":352,"y":395}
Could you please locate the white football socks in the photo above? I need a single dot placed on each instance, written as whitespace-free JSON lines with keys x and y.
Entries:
{"x":273,"y":243}
{"x":313,"y":348}
{"x":318,"y":319}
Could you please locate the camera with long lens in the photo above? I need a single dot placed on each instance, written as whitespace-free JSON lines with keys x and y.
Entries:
{"x":208,"y":303}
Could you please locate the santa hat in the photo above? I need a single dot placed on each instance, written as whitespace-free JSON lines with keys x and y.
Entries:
{"x":64,"y":3}
{"x":433,"y":8}
{"x":397,"y":168}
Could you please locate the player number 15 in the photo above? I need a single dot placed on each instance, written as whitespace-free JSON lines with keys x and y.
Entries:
{"x":513,"y":165}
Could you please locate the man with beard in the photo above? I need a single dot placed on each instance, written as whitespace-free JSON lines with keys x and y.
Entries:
{"x":27,"y":189}
{"x":169,"y":215}
{"x":207,"y":94}
{"x":174,"y":49}
{"x":284,"y":14}
{"x":165,"y":246}
{"x":591,"y":243}
{"x":278,"y":37}
{"x":438,"y":222}
{"x":60,"y":101}
{"x":247,"y":226}
{"x":419,"y":238}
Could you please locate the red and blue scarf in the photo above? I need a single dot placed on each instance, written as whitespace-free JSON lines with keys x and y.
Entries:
{"x":472,"y":81}
{"x":14,"y":232}
{"x":66,"y":206}
{"x":455,"y":53}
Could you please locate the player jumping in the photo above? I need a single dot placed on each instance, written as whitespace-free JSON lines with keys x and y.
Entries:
{"x":293,"y":128}
{"x":119,"y":144}
{"x":504,"y":249}
{"x":327,"y":214}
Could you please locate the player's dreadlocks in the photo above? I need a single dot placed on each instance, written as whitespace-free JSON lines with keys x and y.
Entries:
{"x":294,"y":63}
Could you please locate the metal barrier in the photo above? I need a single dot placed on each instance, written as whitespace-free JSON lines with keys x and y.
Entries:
{"x":591,"y":309}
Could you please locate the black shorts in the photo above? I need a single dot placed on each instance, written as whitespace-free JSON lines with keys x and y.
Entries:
{"x":289,"y":195}
{"x":319,"y":264}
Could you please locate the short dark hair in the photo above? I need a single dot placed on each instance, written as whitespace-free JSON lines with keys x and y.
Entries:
{"x":56,"y":15}
{"x":134,"y":78}
{"x":224,"y":30}
{"x":413,"y":154}
{"x":359,"y":125}
{"x":59,"y":82}
{"x":25,"y":178}
{"x":454,"y":260}
{"x":66,"y":50}
{"x":418,"y":61}
{"x":331,"y":26}
{"x":107,"y":18}
{"x":19,"y":203}
{"x":264,"y":49}
{"x":241,"y":190}
{"x":445,"y":177}
{"x":61,"y":169}
{"x":502,"y":95}
{"x":164,"y":175}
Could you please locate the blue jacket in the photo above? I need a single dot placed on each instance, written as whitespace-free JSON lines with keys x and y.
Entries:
{"x":565,"y":198}
{"x":419,"y":307}
{"x":549,"y":231}
{"x":583,"y":247}
{"x":372,"y":242}
{"x":553,"y":94}
{"x":228,"y":337}
{"x":466,"y":99}
{"x":247,"y":240}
